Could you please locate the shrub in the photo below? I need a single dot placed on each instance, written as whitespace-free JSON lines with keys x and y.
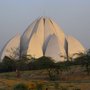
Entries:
{"x":21,"y":65}
{"x":7,"y":65}
{"x":41,"y":63}
{"x":39,"y":87}
{"x":20,"y":86}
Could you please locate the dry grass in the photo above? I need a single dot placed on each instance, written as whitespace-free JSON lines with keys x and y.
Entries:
{"x":70,"y":80}
{"x":51,"y":85}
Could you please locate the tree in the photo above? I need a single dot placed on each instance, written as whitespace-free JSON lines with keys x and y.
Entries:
{"x":84,"y":60}
{"x":41,"y":63}
{"x":48,"y":64}
{"x":22,"y":65}
{"x":8,"y":65}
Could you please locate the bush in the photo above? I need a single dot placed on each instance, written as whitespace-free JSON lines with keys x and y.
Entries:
{"x":7,"y":65}
{"x":21,"y":65}
{"x":20,"y":86}
{"x":39,"y":86}
{"x":41,"y":63}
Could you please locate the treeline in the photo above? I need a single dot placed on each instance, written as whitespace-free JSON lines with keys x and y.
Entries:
{"x":54,"y":69}
{"x":8,"y":65}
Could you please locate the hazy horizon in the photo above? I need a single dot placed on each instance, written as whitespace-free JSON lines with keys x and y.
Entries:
{"x":73,"y":16}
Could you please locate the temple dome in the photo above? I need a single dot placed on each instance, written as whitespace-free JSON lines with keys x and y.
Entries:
{"x":11,"y":48}
{"x":38,"y":37}
{"x":43,"y":37}
{"x":74,"y":47}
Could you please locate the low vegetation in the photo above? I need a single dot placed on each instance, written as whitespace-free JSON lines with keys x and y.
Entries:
{"x":20,"y":86}
{"x":42,"y":85}
{"x":74,"y":71}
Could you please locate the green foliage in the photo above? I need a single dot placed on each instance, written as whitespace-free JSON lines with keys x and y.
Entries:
{"x":20,"y":86}
{"x":30,"y":63}
{"x":53,"y":74}
{"x":7,"y":65}
{"x":84,"y":61}
{"x":39,"y":87}
{"x":21,"y":65}
{"x":41,"y":63}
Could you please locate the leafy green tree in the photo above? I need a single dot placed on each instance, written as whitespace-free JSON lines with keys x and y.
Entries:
{"x":84,"y":60}
{"x":22,"y":65}
{"x":45,"y":62}
{"x":41,"y":63}
{"x":8,"y":65}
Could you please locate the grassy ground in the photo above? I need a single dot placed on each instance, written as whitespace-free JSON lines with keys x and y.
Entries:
{"x":69,"y":81}
{"x":6,"y":84}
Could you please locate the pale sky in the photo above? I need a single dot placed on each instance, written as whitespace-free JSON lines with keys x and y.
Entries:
{"x":73,"y":16}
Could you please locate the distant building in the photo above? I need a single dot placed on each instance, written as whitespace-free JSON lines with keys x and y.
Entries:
{"x":44,"y":38}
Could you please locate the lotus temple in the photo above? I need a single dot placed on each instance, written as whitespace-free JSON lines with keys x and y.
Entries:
{"x":43,"y":37}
